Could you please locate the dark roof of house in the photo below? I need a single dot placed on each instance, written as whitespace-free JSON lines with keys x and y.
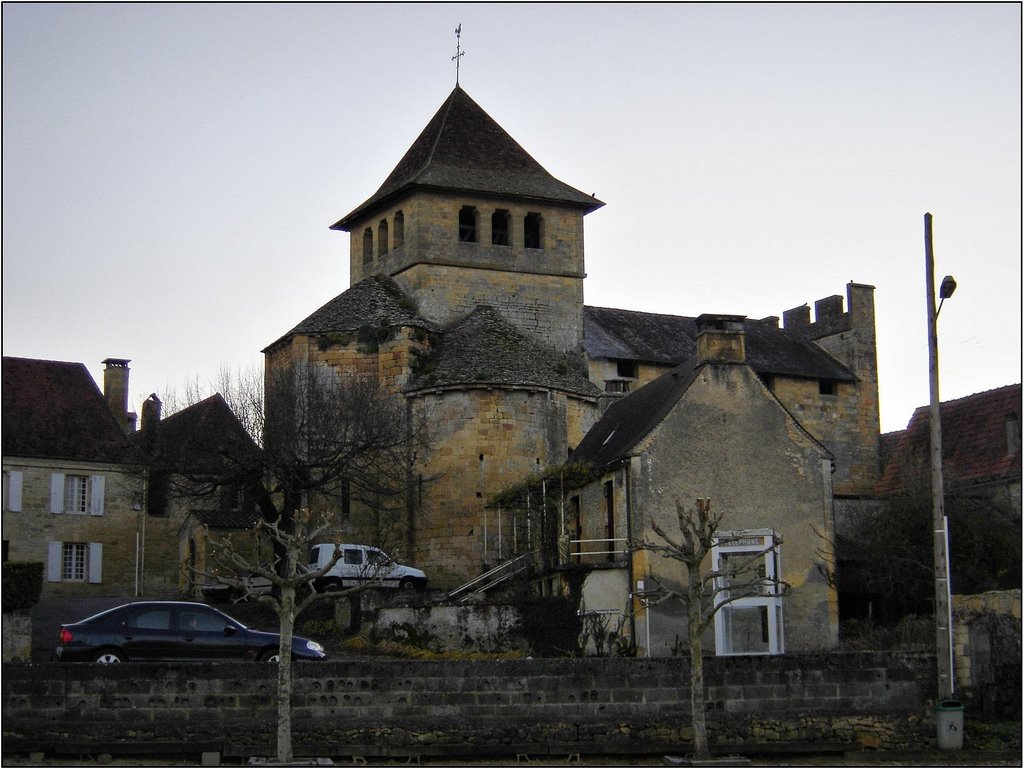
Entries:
{"x":672,"y":339}
{"x":54,"y":410}
{"x":462,"y":148}
{"x":980,"y":443}
{"x":203,"y":439}
{"x":373,"y":301}
{"x":485,"y":349}
{"x":629,"y":420}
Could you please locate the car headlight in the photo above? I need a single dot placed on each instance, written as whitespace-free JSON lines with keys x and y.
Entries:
{"x":313,"y":646}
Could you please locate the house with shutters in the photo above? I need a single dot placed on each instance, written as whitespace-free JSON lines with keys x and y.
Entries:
{"x":73,"y":498}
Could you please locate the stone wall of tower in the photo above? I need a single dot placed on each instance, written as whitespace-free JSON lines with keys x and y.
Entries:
{"x":846,"y":422}
{"x":486,"y":440}
{"x":540,"y":290}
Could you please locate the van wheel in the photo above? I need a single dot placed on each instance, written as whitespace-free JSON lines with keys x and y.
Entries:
{"x":331,"y":586}
{"x":407,"y":584}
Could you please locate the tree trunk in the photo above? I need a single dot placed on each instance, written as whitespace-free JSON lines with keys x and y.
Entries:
{"x":695,"y":633}
{"x":284,"y":676}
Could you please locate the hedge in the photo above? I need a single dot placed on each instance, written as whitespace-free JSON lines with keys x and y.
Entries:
{"x":22,"y":584}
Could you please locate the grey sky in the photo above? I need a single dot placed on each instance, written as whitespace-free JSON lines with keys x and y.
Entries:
{"x":170,"y":171}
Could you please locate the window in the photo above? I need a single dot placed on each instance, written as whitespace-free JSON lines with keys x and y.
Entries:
{"x":500,"y":220}
{"x":467,"y":224}
{"x":353,"y":557}
{"x":827,"y":386}
{"x":533,"y":231}
{"x":626,"y":368}
{"x":748,"y":592}
{"x":399,"y":237}
{"x":12,"y":490}
{"x":76,"y":494}
{"x":74,"y":562}
{"x":382,"y":237}
{"x":367,"y":245}
{"x":151,"y":619}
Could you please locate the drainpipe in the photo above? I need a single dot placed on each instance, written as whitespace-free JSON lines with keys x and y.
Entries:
{"x":629,"y":555}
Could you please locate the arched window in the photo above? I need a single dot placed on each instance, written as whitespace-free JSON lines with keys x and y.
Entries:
{"x":367,"y":245}
{"x":467,"y":224}
{"x":533,"y":231}
{"x":399,"y":236}
{"x":500,"y":221}
{"x":382,"y":237}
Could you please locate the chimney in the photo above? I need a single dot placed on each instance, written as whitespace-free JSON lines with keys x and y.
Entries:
{"x":721,"y":339}
{"x":115,"y":390}
{"x":151,"y":410}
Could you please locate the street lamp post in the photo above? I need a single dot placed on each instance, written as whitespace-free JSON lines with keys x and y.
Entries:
{"x":940,"y":530}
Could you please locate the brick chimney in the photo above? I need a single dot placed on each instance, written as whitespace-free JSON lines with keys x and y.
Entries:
{"x":721,"y":339}
{"x":115,"y":390}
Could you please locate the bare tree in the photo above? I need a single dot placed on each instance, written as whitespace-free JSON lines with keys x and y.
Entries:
{"x":320,"y":441}
{"x":707,"y":591}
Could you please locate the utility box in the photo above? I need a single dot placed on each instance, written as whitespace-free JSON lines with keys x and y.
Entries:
{"x":949,"y":725}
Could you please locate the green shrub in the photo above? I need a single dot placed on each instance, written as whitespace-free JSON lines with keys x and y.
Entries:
{"x":22,"y":584}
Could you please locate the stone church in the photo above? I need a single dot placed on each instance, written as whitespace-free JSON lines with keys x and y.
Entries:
{"x":467,"y":272}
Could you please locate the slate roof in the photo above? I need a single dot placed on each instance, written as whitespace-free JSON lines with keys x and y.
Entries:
{"x":205,"y":439}
{"x":54,"y":410}
{"x":484,"y":348}
{"x":462,"y":148}
{"x":975,"y":448}
{"x":629,"y":420}
{"x":373,"y":301}
{"x":672,"y":339}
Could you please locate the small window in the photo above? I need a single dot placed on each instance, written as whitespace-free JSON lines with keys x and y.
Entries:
{"x":76,"y":497}
{"x":382,"y":237}
{"x":626,"y":368}
{"x":533,"y":231}
{"x":769,"y":381}
{"x":827,"y":386}
{"x":467,"y":224}
{"x":353,"y":557}
{"x":367,"y":245}
{"x":399,"y":235}
{"x":73,"y":562}
{"x":500,"y":221}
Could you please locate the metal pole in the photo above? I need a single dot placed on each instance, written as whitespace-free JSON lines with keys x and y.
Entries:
{"x":943,"y":646}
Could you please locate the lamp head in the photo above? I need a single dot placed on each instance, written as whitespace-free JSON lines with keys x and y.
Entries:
{"x":947,"y":287}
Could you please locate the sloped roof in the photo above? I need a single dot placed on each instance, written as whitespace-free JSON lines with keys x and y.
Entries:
{"x":54,"y":410}
{"x":463,"y":148}
{"x":975,"y":448}
{"x":484,"y":348}
{"x":373,"y":301}
{"x":672,"y":339}
{"x":629,"y":420}
{"x":205,"y":438}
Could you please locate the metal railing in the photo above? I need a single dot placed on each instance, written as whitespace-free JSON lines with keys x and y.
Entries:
{"x":489,"y":579}
{"x":611,"y":549}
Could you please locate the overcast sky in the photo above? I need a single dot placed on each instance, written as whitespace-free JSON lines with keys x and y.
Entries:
{"x":170,"y":171}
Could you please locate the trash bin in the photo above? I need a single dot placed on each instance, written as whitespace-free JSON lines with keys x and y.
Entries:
{"x":949,"y":725}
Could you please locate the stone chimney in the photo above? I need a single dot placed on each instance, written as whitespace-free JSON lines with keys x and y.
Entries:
{"x":115,"y":390}
{"x":151,"y":411}
{"x":721,"y":339}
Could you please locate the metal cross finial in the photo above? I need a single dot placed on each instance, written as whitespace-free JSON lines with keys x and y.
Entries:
{"x":459,"y":53}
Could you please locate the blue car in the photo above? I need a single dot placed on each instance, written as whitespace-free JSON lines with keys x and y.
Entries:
{"x":167,"y":631}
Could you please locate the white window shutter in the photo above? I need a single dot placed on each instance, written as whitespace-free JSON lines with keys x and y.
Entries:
{"x":53,"y":564}
{"x":14,"y":491}
{"x":96,"y":495}
{"x":95,"y":562}
{"x":57,"y":493}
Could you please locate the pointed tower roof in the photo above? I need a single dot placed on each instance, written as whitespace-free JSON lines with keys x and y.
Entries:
{"x":464,"y":149}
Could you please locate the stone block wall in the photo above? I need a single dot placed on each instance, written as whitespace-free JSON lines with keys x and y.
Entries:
{"x":987,"y":652}
{"x":376,"y":707}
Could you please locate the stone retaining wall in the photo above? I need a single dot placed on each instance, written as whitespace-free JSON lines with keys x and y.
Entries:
{"x":392,"y":708}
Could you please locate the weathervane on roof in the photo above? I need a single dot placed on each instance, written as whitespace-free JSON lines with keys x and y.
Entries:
{"x":459,"y":53}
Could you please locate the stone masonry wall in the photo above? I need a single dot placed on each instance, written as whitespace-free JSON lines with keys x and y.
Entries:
{"x":377,"y":707}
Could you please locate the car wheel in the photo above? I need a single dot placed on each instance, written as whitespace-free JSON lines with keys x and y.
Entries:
{"x":270,"y":655}
{"x":407,"y":584}
{"x":109,"y":657}
{"x":331,"y":586}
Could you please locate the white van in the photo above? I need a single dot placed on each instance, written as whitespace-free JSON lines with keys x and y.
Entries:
{"x":360,"y":564}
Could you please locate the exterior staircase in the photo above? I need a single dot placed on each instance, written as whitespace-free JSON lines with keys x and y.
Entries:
{"x":491,"y":579}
